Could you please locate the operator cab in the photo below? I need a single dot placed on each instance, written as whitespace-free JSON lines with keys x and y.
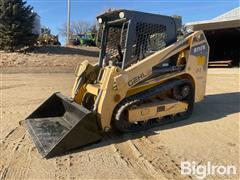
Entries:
{"x":130,"y":36}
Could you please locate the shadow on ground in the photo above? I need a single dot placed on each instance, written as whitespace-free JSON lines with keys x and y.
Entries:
{"x":61,"y":50}
{"x":214,"y":107}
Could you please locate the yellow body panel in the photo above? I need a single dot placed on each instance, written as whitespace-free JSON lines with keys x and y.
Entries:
{"x":156,"y":109}
{"x":93,"y":89}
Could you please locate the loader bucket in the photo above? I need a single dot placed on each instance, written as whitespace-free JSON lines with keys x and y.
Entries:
{"x":59,"y":125}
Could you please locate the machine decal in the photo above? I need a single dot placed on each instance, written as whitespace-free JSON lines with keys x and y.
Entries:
{"x":160,"y":108}
{"x":199,"y":49}
{"x":201,"y":60}
{"x":201,"y":52}
{"x":136,"y":79}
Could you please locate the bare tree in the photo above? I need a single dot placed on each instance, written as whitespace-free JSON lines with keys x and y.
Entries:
{"x":77,"y":27}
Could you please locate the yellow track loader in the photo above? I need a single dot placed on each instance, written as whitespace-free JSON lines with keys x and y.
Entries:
{"x":145,"y":77}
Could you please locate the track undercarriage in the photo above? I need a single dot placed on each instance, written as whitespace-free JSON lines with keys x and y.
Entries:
{"x":173,"y":92}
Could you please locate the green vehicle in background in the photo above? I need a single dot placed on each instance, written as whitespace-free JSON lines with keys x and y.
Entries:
{"x":88,"y":39}
{"x":84,"y":39}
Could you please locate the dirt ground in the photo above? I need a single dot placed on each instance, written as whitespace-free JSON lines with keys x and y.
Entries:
{"x":49,"y":59}
{"x":211,"y":134}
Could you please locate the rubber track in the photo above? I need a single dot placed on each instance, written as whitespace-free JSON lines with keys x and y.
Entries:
{"x":137,"y":98}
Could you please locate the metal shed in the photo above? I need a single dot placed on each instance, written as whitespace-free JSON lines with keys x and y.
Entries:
{"x":223,"y":34}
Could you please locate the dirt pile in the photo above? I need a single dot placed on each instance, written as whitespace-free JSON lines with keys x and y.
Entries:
{"x":47,"y":59}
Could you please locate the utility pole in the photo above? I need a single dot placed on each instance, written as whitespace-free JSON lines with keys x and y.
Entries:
{"x":68,"y":24}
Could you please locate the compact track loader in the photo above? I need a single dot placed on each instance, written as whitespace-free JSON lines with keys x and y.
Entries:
{"x":145,"y":77}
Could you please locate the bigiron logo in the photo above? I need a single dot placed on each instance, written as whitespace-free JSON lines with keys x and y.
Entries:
{"x":202,"y":171}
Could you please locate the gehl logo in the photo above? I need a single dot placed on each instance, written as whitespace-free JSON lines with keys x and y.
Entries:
{"x":136,"y":79}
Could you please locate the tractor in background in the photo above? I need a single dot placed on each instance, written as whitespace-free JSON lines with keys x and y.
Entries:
{"x":84,"y":39}
{"x":46,"y":38}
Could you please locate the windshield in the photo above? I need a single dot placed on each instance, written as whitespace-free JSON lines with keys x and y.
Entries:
{"x":115,"y":43}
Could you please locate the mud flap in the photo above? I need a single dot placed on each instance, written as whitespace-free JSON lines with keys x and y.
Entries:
{"x":59,"y":125}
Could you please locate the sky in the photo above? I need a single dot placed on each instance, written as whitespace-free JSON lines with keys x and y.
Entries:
{"x":53,"y":13}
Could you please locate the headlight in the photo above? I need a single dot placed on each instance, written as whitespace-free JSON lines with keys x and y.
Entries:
{"x":100,"y":20}
{"x":121,"y":15}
